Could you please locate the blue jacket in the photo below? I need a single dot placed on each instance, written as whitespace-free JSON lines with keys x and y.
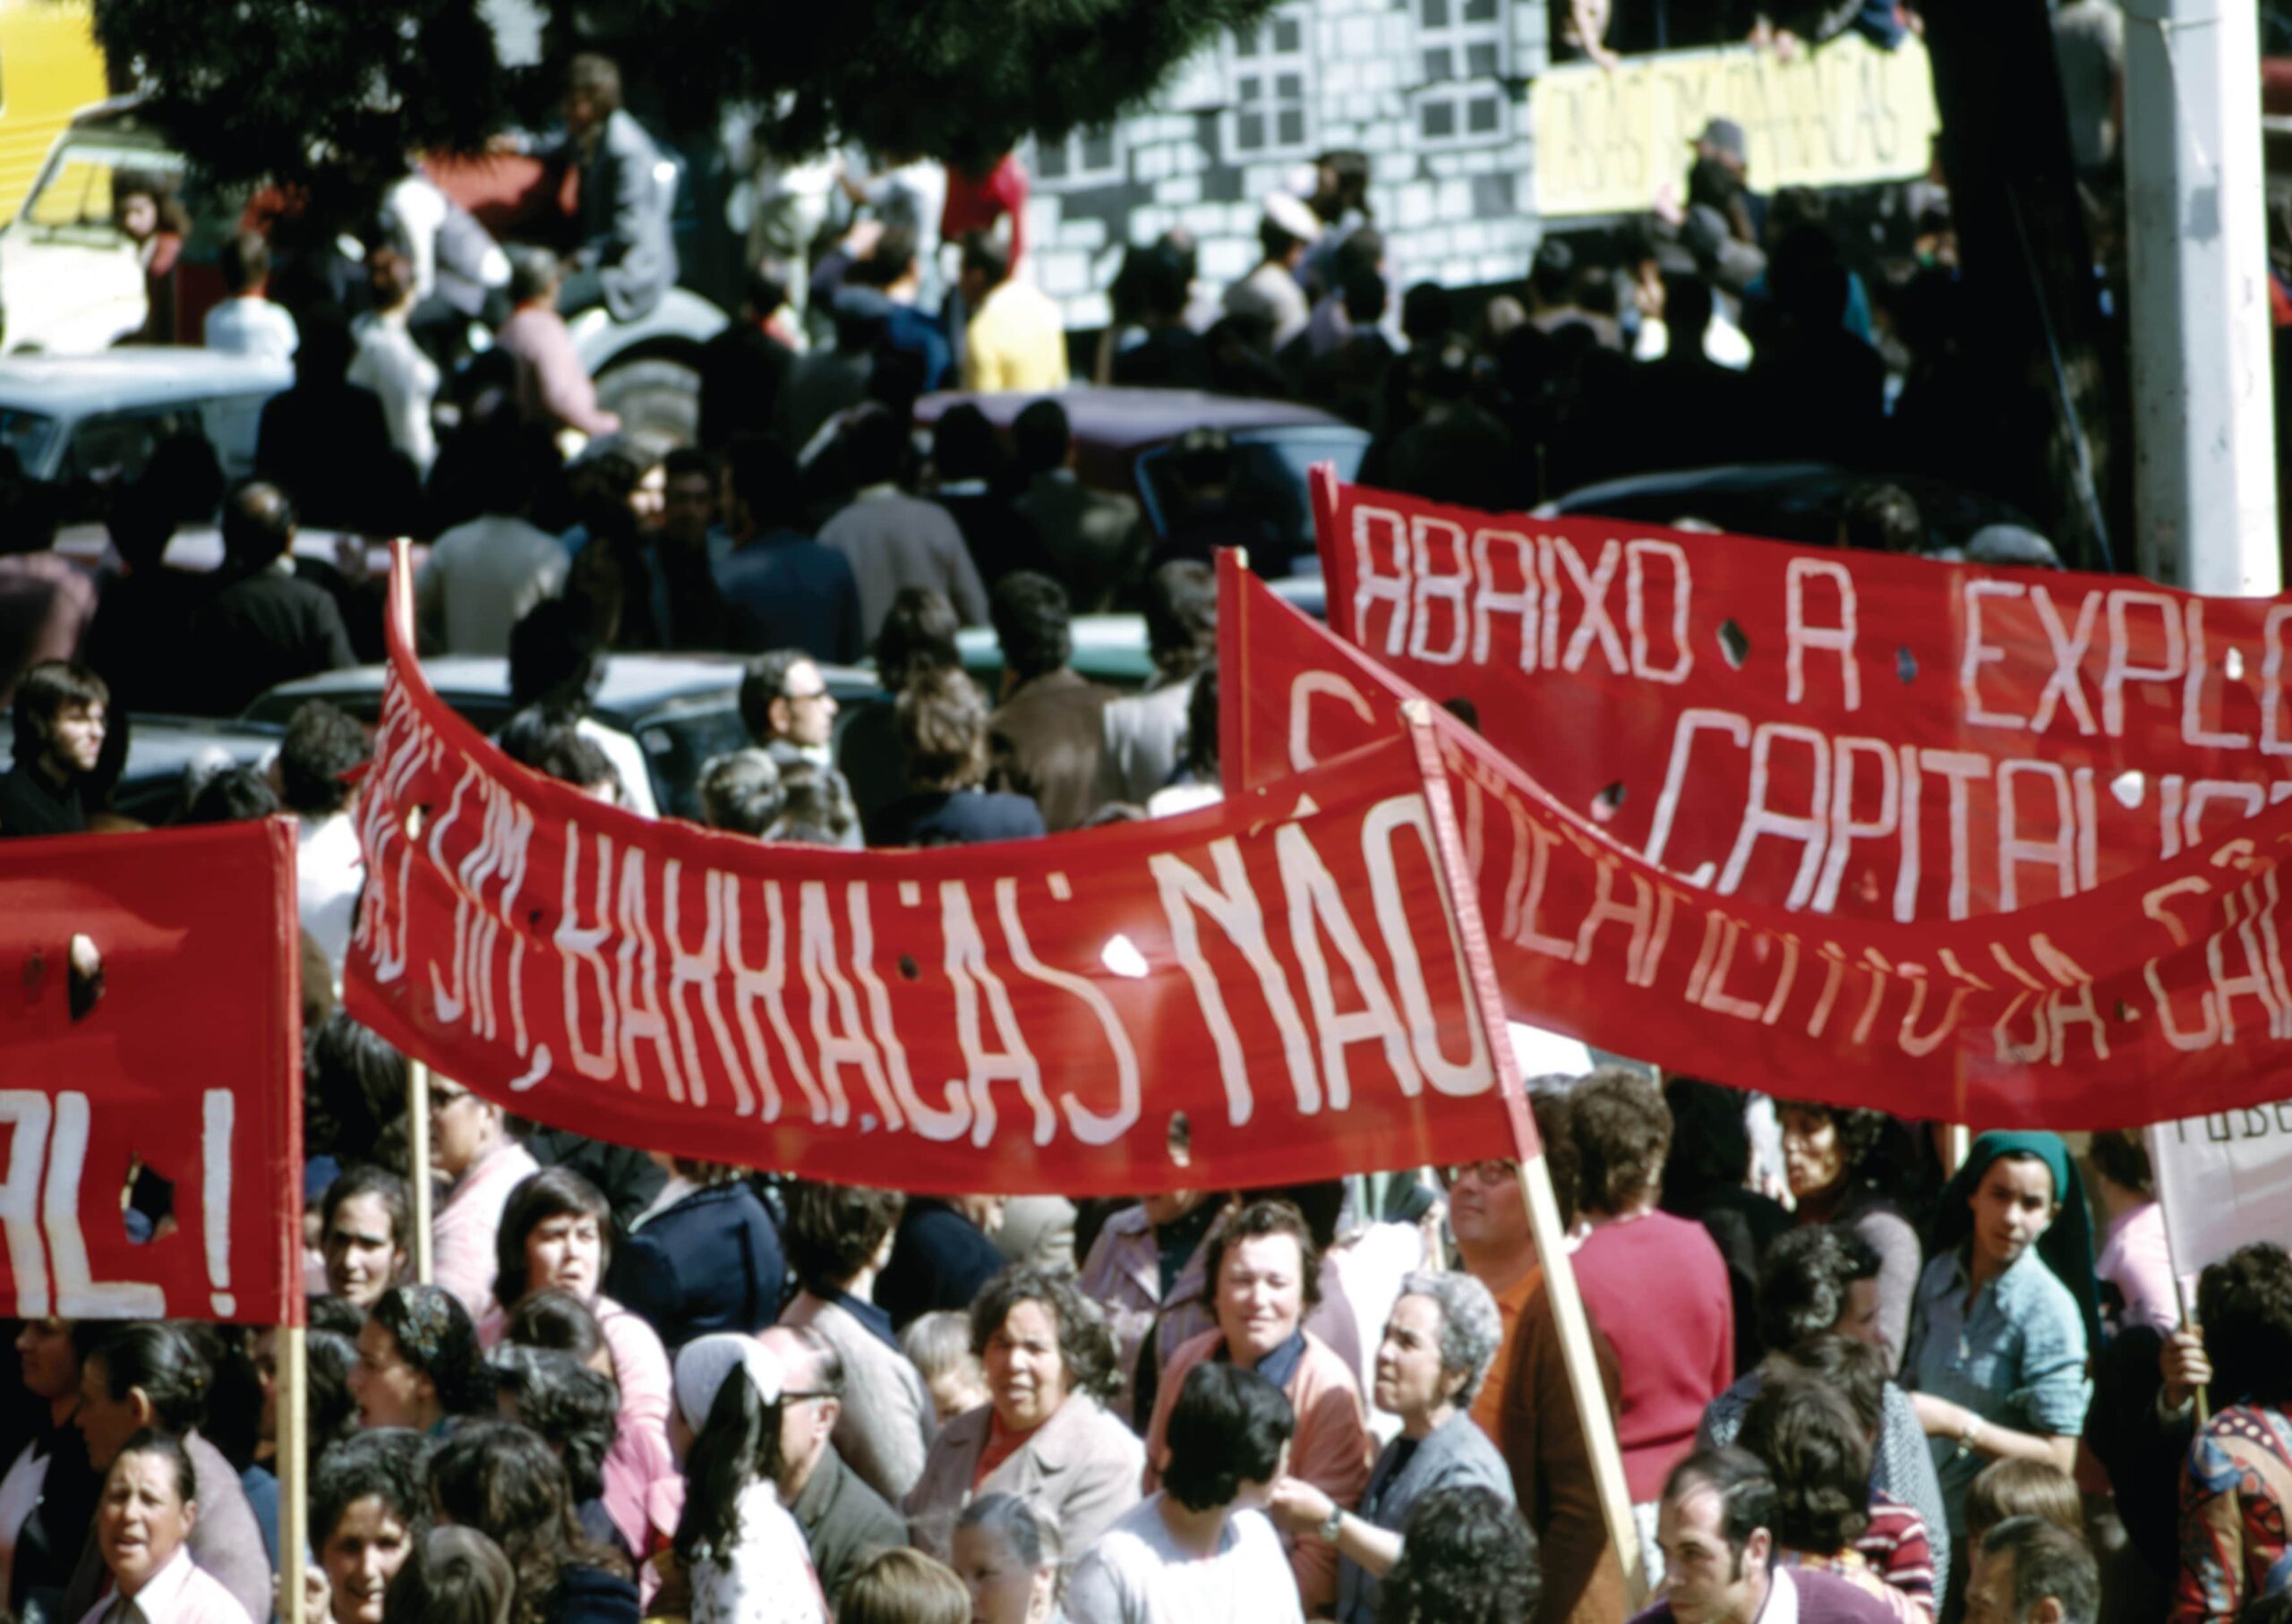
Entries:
{"x":964,"y":818}
{"x":939,"y":1260}
{"x":711,"y":1263}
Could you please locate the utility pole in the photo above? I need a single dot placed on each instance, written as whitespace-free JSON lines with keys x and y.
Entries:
{"x":2204,"y":407}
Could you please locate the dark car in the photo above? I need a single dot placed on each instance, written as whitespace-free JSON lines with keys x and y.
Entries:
{"x":1124,"y":440}
{"x":1795,"y":501}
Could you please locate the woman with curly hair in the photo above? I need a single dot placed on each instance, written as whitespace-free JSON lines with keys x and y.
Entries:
{"x":1818,"y":1454}
{"x":2238,"y":1486}
{"x":503,"y":1480}
{"x":1468,"y":1558}
{"x":418,"y":1362}
{"x":1044,"y":1432}
{"x":1830,"y":1155}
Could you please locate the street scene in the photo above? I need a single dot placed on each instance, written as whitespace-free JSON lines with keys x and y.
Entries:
{"x":1145,"y":812}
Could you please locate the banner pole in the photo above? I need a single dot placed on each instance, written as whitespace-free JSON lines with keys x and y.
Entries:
{"x":294,"y":1436}
{"x":417,"y":1131}
{"x":1569,"y":1316}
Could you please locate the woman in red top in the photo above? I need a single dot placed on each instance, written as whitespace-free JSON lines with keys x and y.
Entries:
{"x":154,"y":223}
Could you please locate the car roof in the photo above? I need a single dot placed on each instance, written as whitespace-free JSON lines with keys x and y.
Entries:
{"x":635,"y":685}
{"x":133,"y":376}
{"x":1131,"y":419}
{"x":1785,"y":501}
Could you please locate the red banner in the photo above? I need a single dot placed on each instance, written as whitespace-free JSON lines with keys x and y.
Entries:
{"x":2162,"y":994}
{"x":1268,"y":991}
{"x":183,"y":1060}
{"x":1875,"y":737}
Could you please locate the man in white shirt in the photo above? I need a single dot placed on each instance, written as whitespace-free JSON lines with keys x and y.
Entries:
{"x":248,"y":323}
{"x":322,"y":745}
{"x":485,"y":575}
{"x":390,"y":364}
{"x":1200,"y":1551}
{"x":1287,"y":232}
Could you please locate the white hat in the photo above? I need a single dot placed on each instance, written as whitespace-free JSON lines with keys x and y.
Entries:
{"x":1292,"y":215}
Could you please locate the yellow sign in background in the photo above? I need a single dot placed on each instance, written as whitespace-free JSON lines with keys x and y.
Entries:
{"x":1845,"y":115}
{"x":49,"y":69}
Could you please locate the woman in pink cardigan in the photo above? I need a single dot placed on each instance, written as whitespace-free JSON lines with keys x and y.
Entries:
{"x":1265,"y":1268}
{"x":552,"y":1237}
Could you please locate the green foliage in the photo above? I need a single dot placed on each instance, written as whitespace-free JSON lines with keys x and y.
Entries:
{"x":279,"y":86}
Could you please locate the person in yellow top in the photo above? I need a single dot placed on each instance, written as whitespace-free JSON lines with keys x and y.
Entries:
{"x":1015,"y":339}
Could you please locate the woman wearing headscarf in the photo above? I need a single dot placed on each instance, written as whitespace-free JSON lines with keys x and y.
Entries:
{"x":2005,"y":1313}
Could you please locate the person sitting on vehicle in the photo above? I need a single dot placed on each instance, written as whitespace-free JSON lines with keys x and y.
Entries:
{"x":627,"y":258}
{"x":154,"y":223}
{"x":553,"y":388}
{"x":248,"y":323}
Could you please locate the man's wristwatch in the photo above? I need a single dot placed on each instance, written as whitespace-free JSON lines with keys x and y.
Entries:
{"x":1330,"y":1529}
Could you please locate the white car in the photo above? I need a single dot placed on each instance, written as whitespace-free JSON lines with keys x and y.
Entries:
{"x":70,"y":283}
{"x":81,"y":420}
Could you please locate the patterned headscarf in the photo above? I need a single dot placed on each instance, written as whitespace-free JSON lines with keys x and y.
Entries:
{"x":704,"y":1363}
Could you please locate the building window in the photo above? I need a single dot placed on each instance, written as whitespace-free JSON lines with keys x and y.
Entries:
{"x":1461,"y":49}
{"x":1091,"y":157}
{"x":1268,"y":117}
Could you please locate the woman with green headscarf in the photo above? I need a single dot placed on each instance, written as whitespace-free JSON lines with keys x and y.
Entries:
{"x":2005,"y":1313}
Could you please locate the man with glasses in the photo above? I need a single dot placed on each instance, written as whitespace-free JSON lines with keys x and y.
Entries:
{"x":843,"y":1520}
{"x":470,"y":1144}
{"x":791,"y":715}
{"x":1527,"y":1407}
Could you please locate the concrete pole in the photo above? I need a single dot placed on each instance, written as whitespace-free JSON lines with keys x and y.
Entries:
{"x":2204,"y":421}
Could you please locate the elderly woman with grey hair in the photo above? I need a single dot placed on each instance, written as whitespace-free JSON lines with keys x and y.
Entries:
{"x":1441,"y":1337}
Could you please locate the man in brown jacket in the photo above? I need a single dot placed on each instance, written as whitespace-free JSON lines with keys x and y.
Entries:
{"x":1046,"y":735}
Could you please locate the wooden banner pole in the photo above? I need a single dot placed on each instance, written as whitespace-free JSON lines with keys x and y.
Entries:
{"x":1575,"y":1327}
{"x":293,"y":1461}
{"x":418,"y":1132}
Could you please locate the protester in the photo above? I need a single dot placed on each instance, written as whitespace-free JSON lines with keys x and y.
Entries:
{"x":470,"y":1144}
{"x":1837,"y":1176}
{"x":1008,"y":1554}
{"x":1016,"y":338}
{"x":58,"y":719}
{"x":1146,"y":734}
{"x":501,"y":1480}
{"x":943,"y":728}
{"x":1271,"y":292}
{"x":1199,"y":1547}
{"x":1149,"y":1273}
{"x":419,"y":1364}
{"x":743,"y":1552}
{"x":628,"y":255}
{"x":1634,"y":1254}
{"x":134,"y":1378}
{"x":391,"y":363}
{"x":2004,"y":1314}
{"x":264,"y":625}
{"x":366,"y":1235}
{"x":1465,"y":1558}
{"x":893,"y":540}
{"x":553,"y":1235}
{"x":705,"y":1257}
{"x":841,"y":1518}
{"x":323,"y":748}
{"x":455,"y":1575}
{"x":2239,"y":1476}
{"x":554,"y":391}
{"x":743,"y":368}
{"x":839,"y":1239}
{"x":919,"y":636}
{"x":1716,"y":1529}
{"x":1044,"y":1433}
{"x":2009,"y":1488}
{"x":938,"y":1344}
{"x":574,"y":1408}
{"x":2031,"y":1572}
{"x":905,"y":1587}
{"x":1816,"y":1447}
{"x":1443,"y":1335}
{"x":143,"y":1521}
{"x":48,"y":1493}
{"x":1093,"y":539}
{"x":2135,"y":1266}
{"x":781,"y":588}
{"x":1046,"y":736}
{"x":370,"y":1509}
{"x":246,"y":322}
{"x":1264,"y":1273}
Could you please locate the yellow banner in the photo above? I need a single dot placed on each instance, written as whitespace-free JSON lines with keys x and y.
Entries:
{"x":1847,"y":115}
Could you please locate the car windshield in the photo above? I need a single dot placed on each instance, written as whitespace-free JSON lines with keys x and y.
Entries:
{"x":1258,"y":500}
{"x":678,"y":743}
{"x":31,"y":435}
{"x":76,"y":191}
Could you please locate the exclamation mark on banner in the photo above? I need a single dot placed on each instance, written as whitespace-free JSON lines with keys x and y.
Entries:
{"x":215,"y":1200}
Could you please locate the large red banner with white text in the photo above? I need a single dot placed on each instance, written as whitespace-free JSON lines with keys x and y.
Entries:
{"x":182,"y":1059}
{"x":1272,"y":991}
{"x":1844,"y":733}
{"x":2162,"y":993}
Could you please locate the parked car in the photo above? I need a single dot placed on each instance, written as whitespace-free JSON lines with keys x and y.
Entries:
{"x":1123,"y":439}
{"x":680,"y":709}
{"x":160,"y":748}
{"x":80,"y":422}
{"x":1796,"y":501}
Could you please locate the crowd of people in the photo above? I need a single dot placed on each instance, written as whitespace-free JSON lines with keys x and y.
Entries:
{"x":1848,"y":1383}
